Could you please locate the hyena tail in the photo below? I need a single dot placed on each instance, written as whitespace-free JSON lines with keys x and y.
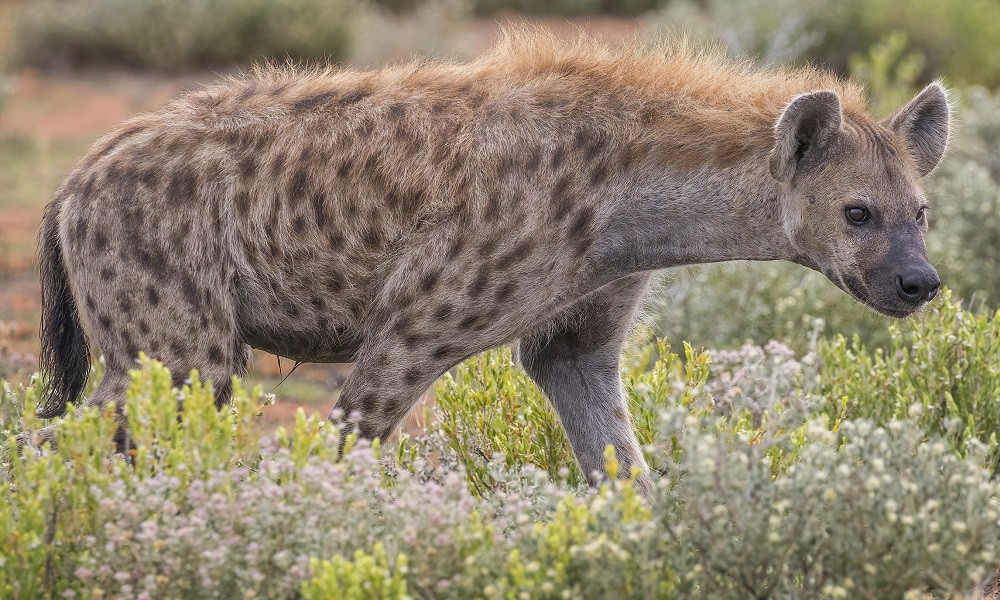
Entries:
{"x":65,"y":353}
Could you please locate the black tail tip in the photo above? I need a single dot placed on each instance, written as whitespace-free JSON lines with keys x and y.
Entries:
{"x":51,"y":408}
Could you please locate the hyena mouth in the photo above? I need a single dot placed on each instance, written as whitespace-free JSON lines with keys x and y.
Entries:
{"x":856,"y":288}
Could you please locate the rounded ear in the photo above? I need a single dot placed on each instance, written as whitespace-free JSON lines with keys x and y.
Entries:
{"x":924,"y":124}
{"x":807,"y":125}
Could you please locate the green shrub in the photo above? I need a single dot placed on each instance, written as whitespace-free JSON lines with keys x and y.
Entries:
{"x":945,"y":373}
{"x":956,"y":39}
{"x":172,"y":34}
{"x":364,"y":577}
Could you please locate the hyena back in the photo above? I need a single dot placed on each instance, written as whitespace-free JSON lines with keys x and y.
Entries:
{"x":408,"y":218}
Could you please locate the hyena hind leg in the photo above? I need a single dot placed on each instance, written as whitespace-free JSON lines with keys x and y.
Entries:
{"x":578,"y":369}
{"x":387,"y":381}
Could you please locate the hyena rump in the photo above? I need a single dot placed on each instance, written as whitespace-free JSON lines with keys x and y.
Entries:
{"x":408,"y":218}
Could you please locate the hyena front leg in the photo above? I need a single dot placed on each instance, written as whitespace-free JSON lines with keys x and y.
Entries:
{"x":578,"y":369}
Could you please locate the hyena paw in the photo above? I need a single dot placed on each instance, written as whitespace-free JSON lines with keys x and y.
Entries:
{"x":35,"y":440}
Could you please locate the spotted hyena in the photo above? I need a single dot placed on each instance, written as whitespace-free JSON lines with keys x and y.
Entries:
{"x":407,"y":218}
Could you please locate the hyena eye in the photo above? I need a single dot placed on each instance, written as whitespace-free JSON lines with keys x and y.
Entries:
{"x":857,"y":215}
{"x":922,"y":215}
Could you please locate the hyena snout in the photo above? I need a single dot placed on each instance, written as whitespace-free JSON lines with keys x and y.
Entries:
{"x":917,"y":284}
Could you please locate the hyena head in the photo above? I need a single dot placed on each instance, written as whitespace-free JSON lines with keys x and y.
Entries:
{"x":852,"y":203}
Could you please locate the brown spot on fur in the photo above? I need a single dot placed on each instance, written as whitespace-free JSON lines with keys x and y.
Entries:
{"x":100,"y":241}
{"x":599,"y":174}
{"x":108,"y":274}
{"x":455,"y":247}
{"x":492,"y":207}
{"x":442,"y":312}
{"x":486,"y":248}
{"x":182,"y":186}
{"x":518,"y":253}
{"x":278,"y":166}
{"x":505,"y":291}
{"x":369,"y":402}
{"x":412,"y":340}
{"x":247,"y":93}
{"x":396,"y":111}
{"x":561,"y":199}
{"x":479,"y":283}
{"x":412,"y":375}
{"x":344,"y":169}
{"x":372,"y":236}
{"x":412,"y":201}
{"x":311,"y":102}
{"x":150,"y":178}
{"x":297,"y":185}
{"x":468,"y":321}
{"x":319,"y":210}
{"x":215,"y":354}
{"x":152,"y":295}
{"x":534,"y":161}
{"x":190,"y":290}
{"x":429,"y":282}
{"x":443,"y":351}
{"x":558,"y":157}
{"x":125,"y":304}
{"x":505,"y":167}
{"x":582,"y":222}
{"x":154,"y":261}
{"x":354,"y":97}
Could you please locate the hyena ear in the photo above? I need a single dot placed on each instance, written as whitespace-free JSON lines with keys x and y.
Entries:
{"x":924,"y":124}
{"x":808,"y":124}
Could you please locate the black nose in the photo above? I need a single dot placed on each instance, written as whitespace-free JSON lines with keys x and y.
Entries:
{"x":918,"y":284}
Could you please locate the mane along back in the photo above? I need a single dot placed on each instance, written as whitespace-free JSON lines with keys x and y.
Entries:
{"x":706,"y":106}
{"x":695,"y":107}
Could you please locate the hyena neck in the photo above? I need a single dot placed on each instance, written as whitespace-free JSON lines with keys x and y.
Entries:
{"x":712,"y":214}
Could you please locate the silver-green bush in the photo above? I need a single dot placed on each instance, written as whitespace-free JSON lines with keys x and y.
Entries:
{"x":759,"y":492}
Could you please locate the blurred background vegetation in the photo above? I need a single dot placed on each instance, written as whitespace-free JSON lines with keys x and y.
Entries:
{"x":72,"y":68}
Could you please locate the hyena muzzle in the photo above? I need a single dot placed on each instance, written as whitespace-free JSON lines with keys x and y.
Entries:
{"x":409,"y":218}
